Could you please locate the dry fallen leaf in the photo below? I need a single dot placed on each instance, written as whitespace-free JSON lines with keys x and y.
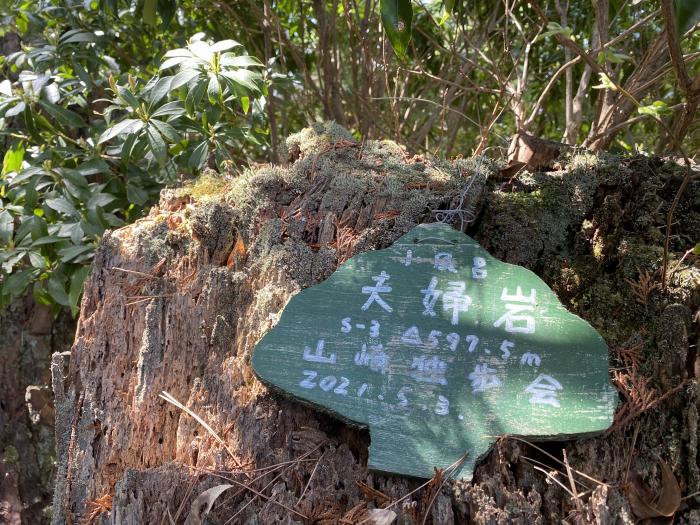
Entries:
{"x":203,"y":504}
{"x":647,"y":505}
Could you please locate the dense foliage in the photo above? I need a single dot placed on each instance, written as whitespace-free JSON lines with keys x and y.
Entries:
{"x":76,"y":163}
{"x":104,"y":102}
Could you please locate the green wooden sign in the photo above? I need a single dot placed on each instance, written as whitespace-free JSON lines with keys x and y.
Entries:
{"x":439,"y":348}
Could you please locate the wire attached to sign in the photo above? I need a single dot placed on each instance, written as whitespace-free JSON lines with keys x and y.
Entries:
{"x":465,"y":215}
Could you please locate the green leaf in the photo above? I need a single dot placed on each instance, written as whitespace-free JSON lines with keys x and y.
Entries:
{"x":157,"y":144}
{"x":171,"y":62}
{"x":17,"y":282}
{"x":171,"y":108}
{"x":167,"y":10}
{"x":165,"y":129}
{"x":16,"y":109}
{"x":231,"y":60}
{"x":159,"y":90}
{"x":57,"y":290}
{"x":397,"y":16}
{"x":100,"y":200}
{"x":687,"y":13}
{"x":194,"y":97}
{"x":449,"y":6}
{"x":127,"y":96}
{"x":696,"y":250}
{"x":76,"y":36}
{"x":12,"y":161}
{"x":135,"y":194}
{"x":37,"y":260}
{"x":125,"y":126}
{"x":214,"y":88}
{"x":149,"y":11}
{"x":656,"y":109}
{"x":64,"y":116}
{"x":199,"y":156}
{"x":245,"y":78}
{"x":77,"y":281}
{"x":7,"y":226}
{"x":245,"y":104}
{"x":224,"y":45}
{"x":62,"y":205}
{"x":183,"y":77}
{"x":69,"y":253}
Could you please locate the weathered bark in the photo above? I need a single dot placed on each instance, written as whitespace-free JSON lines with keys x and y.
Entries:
{"x":177,"y":301}
{"x":29,"y":335}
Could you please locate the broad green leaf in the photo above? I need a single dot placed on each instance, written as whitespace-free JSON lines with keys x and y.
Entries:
{"x":183,"y":77}
{"x":165,"y":129}
{"x":171,"y":62}
{"x":687,"y":13}
{"x":100,"y":200}
{"x":12,"y":161}
{"x":199,"y":156}
{"x":136,"y":195}
{"x":149,"y":11}
{"x":93,"y":167}
{"x":57,"y":290}
{"x":167,"y":10}
{"x":224,"y":45}
{"x":656,"y":109}
{"x":16,"y":109}
{"x":214,"y":88}
{"x":17,"y":282}
{"x":201,"y":50}
{"x":696,"y":250}
{"x":194,"y":97}
{"x":69,"y":253}
{"x":125,"y":126}
{"x":397,"y":16}
{"x":64,"y":116}
{"x":231,"y":60}
{"x":159,"y":90}
{"x":157,"y":144}
{"x":244,"y":78}
{"x":127,"y":96}
{"x":7,"y":226}
{"x":6,"y":88}
{"x":245,"y":104}
{"x":37,"y":260}
{"x":77,"y":281}
{"x":78,"y":36}
{"x":171,"y":108}
{"x":62,"y":205}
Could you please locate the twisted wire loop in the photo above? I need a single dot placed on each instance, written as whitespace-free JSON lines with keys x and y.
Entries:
{"x":466,"y":214}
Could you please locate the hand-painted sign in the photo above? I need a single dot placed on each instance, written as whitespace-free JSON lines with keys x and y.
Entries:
{"x":439,"y":348}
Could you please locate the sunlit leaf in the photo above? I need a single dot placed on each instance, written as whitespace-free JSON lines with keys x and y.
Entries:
{"x":125,"y":126}
{"x":397,"y":16}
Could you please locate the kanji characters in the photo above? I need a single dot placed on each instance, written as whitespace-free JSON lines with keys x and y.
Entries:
{"x":444,"y":262}
{"x":544,"y":390}
{"x":317,"y":356}
{"x":456,"y":300}
{"x":374,"y":292}
{"x":483,"y":378}
{"x":515,"y":320}
{"x":429,"y":370}
{"x":430,"y":297}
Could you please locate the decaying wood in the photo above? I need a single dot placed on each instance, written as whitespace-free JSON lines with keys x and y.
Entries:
{"x":193,"y":333}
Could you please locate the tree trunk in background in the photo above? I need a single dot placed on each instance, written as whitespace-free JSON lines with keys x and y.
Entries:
{"x":29,"y":335}
{"x":177,"y":302}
